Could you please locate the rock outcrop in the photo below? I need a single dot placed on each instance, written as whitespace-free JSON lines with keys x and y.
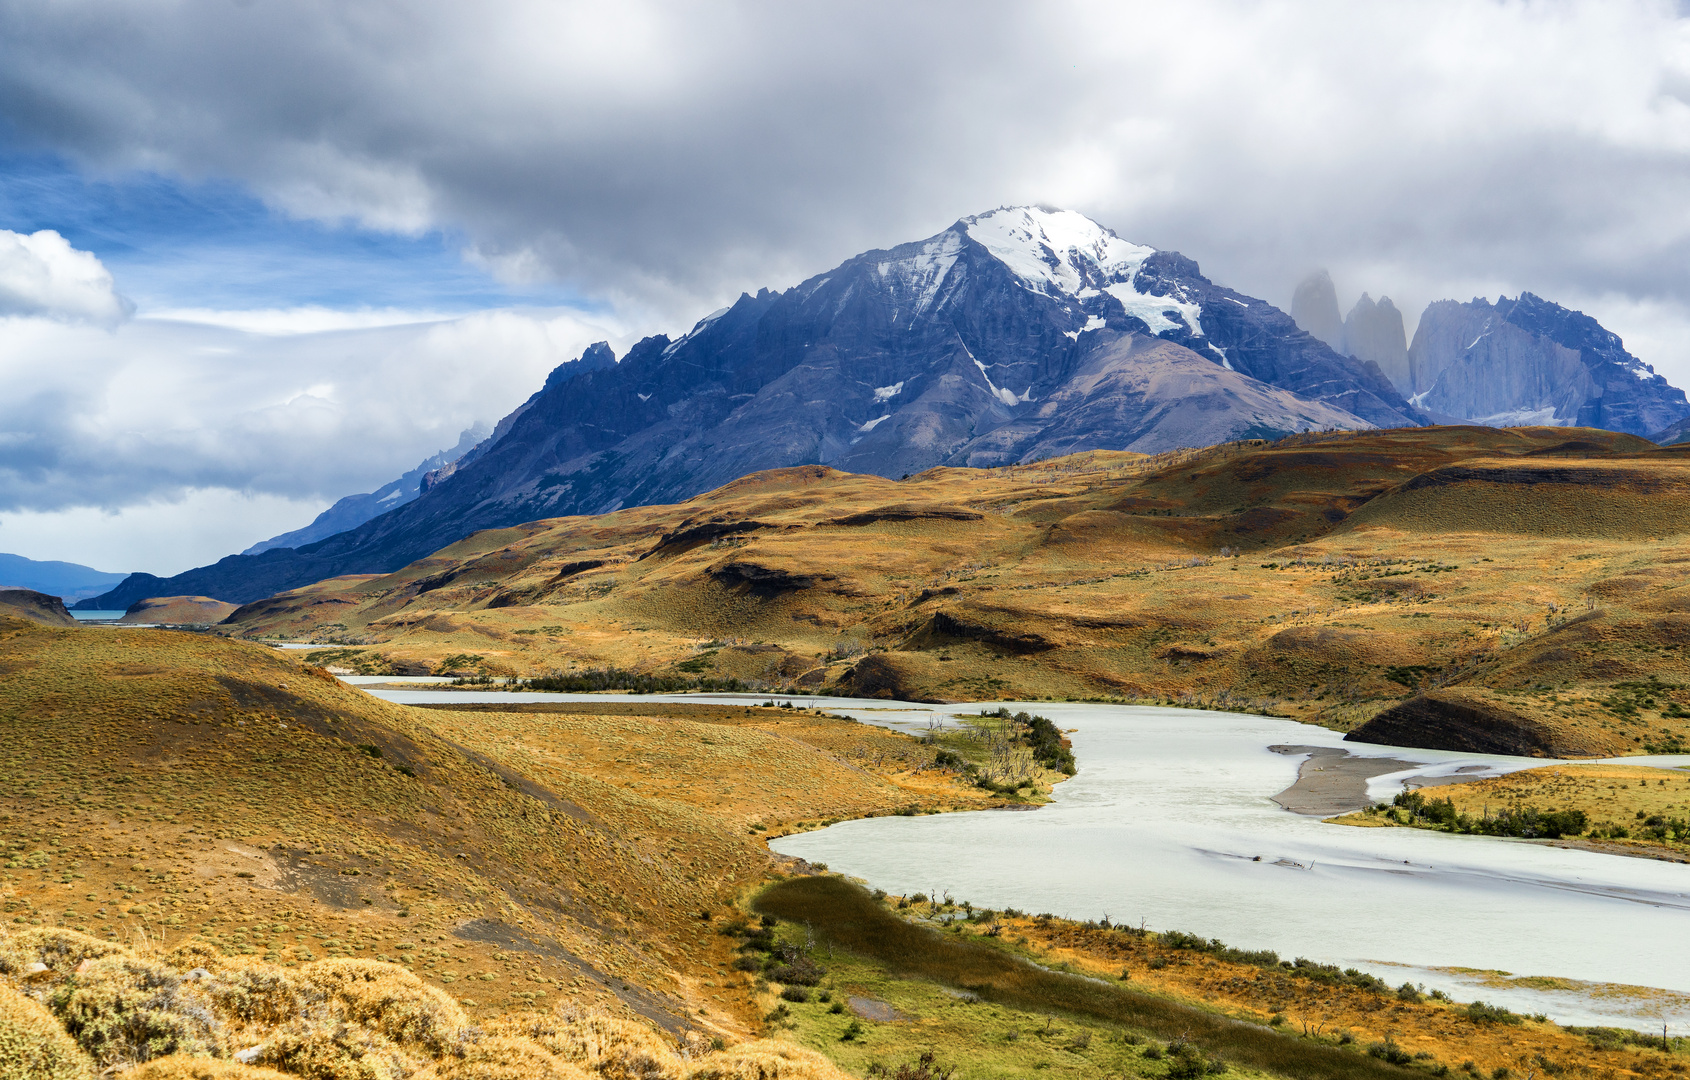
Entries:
{"x":1314,"y":308}
{"x":1529,"y":361}
{"x":1373,"y":332}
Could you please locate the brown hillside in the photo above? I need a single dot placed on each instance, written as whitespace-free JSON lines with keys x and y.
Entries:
{"x":175,"y":788}
{"x":1328,"y":577}
{"x":36,"y":607}
{"x":178,"y":610}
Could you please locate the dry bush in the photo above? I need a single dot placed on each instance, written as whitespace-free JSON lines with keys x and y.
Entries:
{"x":502,"y":1057}
{"x":615,"y":1049}
{"x":390,"y":1000}
{"x":121,"y":1009}
{"x":335,"y":1051}
{"x":61,"y":950}
{"x":256,"y":993}
{"x":178,"y":1067}
{"x":765,"y":1059}
{"x":196,"y":954}
{"x":32,"y":1044}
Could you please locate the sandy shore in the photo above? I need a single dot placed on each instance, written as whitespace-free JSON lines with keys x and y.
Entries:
{"x":1332,"y":781}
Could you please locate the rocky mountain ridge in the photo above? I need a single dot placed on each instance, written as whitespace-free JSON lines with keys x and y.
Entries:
{"x":1009,"y":336}
{"x":1520,"y":361}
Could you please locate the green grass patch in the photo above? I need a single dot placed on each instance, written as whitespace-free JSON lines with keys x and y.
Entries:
{"x":848,"y":918}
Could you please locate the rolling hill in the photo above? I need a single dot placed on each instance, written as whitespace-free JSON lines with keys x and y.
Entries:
{"x":1505,"y":583}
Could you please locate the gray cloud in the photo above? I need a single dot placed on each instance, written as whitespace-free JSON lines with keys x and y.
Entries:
{"x":671,"y":155}
{"x":663,"y":157}
{"x":157,"y":409}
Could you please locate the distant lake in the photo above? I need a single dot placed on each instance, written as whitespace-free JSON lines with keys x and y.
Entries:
{"x":98,"y":616}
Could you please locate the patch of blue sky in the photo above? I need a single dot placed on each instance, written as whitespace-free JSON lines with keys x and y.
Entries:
{"x":172,"y":244}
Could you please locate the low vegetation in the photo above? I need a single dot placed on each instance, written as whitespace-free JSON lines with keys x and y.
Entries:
{"x":1625,"y":809}
{"x":72,"y":1005}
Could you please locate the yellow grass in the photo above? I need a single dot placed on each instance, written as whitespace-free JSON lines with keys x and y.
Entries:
{"x":1359,"y":568}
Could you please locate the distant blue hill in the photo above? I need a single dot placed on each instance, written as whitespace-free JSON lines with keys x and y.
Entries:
{"x":70,"y":581}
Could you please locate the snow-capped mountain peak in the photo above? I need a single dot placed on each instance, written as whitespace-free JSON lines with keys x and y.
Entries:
{"x":1056,"y":251}
{"x":1063,"y":253}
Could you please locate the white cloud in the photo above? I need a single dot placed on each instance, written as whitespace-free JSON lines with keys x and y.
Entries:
{"x":156,"y":408}
{"x":41,"y":274}
{"x":162,"y":536}
{"x":298,"y":320}
{"x":666,"y":157}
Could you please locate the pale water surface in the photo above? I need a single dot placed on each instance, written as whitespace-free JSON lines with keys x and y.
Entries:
{"x":1170,"y":812}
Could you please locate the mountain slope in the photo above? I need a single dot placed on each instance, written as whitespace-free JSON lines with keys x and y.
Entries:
{"x":1530,"y":361}
{"x":1525,"y":572}
{"x":70,"y":581}
{"x":968,"y":347}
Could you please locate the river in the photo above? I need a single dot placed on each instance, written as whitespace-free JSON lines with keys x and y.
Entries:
{"x":1170,"y":824}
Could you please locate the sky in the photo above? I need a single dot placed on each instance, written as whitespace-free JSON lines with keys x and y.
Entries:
{"x":257,"y":256}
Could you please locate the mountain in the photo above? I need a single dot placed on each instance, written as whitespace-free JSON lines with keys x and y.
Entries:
{"x":70,"y":581}
{"x":354,"y":510}
{"x":1008,"y":336}
{"x":1530,"y":361}
{"x":1374,"y":332}
{"x":1314,"y":308}
{"x":1675,"y":433}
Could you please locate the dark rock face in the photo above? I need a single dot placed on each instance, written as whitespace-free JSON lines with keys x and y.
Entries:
{"x":1529,"y":361}
{"x":1314,"y":308}
{"x":1009,"y":336}
{"x":1373,"y":333}
{"x":1438,"y":721}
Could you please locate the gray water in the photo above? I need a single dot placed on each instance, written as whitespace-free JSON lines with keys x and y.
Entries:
{"x":1170,"y":812}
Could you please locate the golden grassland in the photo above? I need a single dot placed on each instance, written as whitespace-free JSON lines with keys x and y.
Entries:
{"x":1530,"y":574}
{"x":185,"y":787}
{"x":1632,"y":810}
{"x":519,"y":880}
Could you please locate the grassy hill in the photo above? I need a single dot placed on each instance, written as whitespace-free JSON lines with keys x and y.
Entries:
{"x":166,"y":788}
{"x":1511,"y":582}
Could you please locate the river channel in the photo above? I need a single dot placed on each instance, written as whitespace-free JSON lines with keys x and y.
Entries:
{"x":1170,"y":824}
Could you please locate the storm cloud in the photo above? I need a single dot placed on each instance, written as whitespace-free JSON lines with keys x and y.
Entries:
{"x":672,"y":155}
{"x":657,"y":159}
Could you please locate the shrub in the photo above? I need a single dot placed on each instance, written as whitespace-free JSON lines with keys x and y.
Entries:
{"x":177,"y":1067}
{"x":256,"y":993}
{"x":837,"y":1008}
{"x":746,"y":963}
{"x":390,"y":1000}
{"x":853,"y":1031}
{"x":502,"y":1057}
{"x":333,"y":1050}
{"x":1481,"y":1013}
{"x":1185,"y":1062}
{"x":62,"y":950}
{"x":795,"y":993}
{"x":1390,"y":1051}
{"x":123,"y":1009}
{"x":32,"y":1044}
{"x":801,"y":971}
{"x":1408,"y":992}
